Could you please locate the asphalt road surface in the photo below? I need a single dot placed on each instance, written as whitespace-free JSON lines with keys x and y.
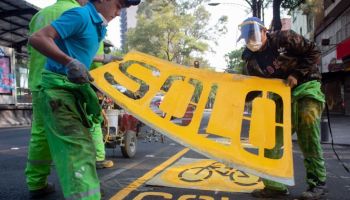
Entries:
{"x":129,"y":177}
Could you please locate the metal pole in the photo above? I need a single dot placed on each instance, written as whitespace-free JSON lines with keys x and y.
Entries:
{"x":324,"y":129}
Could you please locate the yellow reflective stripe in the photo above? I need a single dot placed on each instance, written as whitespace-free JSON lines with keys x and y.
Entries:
{"x":83,"y":194}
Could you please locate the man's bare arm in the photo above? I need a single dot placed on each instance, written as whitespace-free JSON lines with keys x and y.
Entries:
{"x":43,"y":41}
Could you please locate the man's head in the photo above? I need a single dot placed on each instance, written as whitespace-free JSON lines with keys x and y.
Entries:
{"x":111,"y":8}
{"x":253,"y":32}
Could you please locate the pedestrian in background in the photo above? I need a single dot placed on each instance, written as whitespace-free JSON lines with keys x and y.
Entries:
{"x":96,"y":130}
{"x":70,"y":44}
{"x":289,"y":56}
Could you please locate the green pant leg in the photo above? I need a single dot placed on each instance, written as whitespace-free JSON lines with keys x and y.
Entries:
{"x":97,"y":137}
{"x":277,"y":151}
{"x":309,"y":116}
{"x":71,"y":146}
{"x":39,"y":157}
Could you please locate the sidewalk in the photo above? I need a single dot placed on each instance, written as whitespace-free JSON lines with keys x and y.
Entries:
{"x":340,"y":126}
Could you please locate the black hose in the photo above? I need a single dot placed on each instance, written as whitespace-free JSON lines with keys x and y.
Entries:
{"x":330,"y":131}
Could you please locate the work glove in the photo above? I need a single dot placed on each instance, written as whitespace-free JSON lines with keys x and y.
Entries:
{"x":107,"y":58}
{"x":78,"y":73}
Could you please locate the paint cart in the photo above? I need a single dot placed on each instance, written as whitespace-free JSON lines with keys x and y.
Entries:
{"x":122,"y":130}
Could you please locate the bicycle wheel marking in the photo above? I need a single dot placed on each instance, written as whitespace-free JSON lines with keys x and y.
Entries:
{"x":206,"y":174}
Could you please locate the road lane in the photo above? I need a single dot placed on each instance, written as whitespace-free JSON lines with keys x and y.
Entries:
{"x":140,"y":181}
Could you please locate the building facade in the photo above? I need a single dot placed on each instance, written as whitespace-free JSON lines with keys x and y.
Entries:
{"x":327,"y":22}
{"x":15,"y":97}
{"x":333,"y":34}
{"x":127,"y":20}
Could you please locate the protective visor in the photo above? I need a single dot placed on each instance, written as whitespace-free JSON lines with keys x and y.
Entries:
{"x":250,"y":31}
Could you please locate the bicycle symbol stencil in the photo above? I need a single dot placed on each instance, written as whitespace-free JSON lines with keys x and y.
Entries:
{"x":198,"y":174}
{"x":206,"y":174}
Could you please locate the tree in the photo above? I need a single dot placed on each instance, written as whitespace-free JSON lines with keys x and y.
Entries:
{"x":257,"y":7}
{"x":177,"y":30}
{"x":291,"y":4}
{"x":276,"y":6}
{"x":234,"y":61}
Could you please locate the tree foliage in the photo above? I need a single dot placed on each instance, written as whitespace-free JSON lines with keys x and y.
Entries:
{"x":234,"y":61}
{"x":276,"y":6}
{"x":177,"y":30}
{"x":291,"y":4}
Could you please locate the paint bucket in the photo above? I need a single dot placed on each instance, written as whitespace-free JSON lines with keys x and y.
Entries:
{"x":112,"y":116}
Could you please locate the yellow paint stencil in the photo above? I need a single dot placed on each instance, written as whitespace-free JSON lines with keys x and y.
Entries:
{"x":145,"y":77}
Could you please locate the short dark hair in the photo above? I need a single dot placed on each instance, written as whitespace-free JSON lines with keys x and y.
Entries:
{"x":132,"y":2}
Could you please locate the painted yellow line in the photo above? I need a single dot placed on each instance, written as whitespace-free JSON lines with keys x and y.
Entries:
{"x":137,"y":183}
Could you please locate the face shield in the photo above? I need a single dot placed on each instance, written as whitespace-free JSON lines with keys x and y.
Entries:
{"x":251,"y":34}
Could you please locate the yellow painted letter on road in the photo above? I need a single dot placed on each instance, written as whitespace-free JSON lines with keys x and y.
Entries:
{"x":244,"y":111}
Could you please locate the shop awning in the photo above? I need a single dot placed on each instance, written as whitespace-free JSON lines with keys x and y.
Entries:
{"x":343,"y":49}
{"x":15,"y":16}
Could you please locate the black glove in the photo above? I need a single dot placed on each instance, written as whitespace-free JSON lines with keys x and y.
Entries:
{"x":107,"y":58}
{"x":78,"y":73}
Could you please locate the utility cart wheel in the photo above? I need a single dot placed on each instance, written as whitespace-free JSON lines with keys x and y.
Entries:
{"x":130,"y":144}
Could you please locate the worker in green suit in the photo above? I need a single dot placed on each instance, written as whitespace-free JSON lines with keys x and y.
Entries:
{"x":41,"y":19}
{"x":39,"y":159}
{"x":289,"y":56}
{"x":100,"y":59}
{"x":65,"y":96}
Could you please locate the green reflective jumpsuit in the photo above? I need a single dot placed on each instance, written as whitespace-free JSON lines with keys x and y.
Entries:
{"x":69,"y":110}
{"x":39,"y":158}
{"x":100,"y":51}
{"x":307,"y":106}
{"x":96,"y":130}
